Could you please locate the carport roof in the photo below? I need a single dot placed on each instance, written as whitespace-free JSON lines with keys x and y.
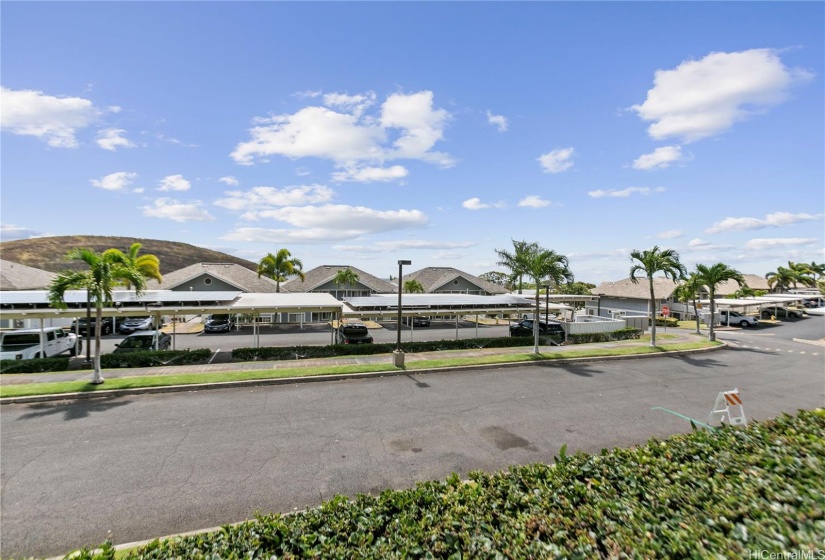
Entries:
{"x":431,"y":304}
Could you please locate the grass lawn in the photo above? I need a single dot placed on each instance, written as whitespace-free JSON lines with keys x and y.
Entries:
{"x":223,"y":377}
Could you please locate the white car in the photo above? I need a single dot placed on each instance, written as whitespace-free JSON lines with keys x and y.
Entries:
{"x":737,"y":318}
{"x":25,"y":344}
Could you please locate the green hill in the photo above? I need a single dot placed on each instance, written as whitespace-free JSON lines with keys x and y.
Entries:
{"x":47,"y":252}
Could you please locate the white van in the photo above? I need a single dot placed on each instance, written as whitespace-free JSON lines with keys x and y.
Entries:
{"x":25,"y":344}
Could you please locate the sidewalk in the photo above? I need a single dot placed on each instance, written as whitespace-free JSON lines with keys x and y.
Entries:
{"x":26,"y":378}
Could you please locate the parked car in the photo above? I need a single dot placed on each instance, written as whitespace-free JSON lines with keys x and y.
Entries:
{"x":737,"y":318}
{"x":106,"y":325}
{"x":133,"y":324}
{"x":353,"y":333}
{"x":780,"y":312}
{"x":144,"y":340}
{"x":811,"y":303}
{"x":218,"y":323}
{"x":24,"y":344}
{"x":525,"y":328}
{"x":417,"y":321}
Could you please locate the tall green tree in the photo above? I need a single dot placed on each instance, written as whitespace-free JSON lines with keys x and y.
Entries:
{"x":652,"y":261}
{"x":106,"y":271}
{"x":817,"y":269}
{"x":413,"y":287}
{"x":516,"y":261}
{"x":496,"y":277}
{"x":544,"y":266}
{"x":711,"y":277}
{"x":280,"y":266}
{"x":148,"y":265}
{"x":687,"y":292}
{"x":790,"y":277}
{"x":345,"y":277}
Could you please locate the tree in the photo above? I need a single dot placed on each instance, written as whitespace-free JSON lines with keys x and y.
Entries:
{"x":106,"y":271}
{"x":516,"y":261}
{"x":817,"y":269}
{"x":650,"y":262}
{"x":147,"y":265}
{"x":413,"y":287}
{"x":279,"y":267}
{"x":712,"y":276}
{"x":497,"y":278}
{"x":686,"y":292}
{"x":576,"y":289}
{"x":544,"y":266}
{"x":804,"y":274}
{"x":746,"y":291}
{"x":792,"y":276}
{"x":345,"y":277}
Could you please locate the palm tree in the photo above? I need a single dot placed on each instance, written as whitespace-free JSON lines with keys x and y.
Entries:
{"x":795,"y":274}
{"x":804,"y":274}
{"x":686,"y":292}
{"x":413,"y":287}
{"x":712,"y":276}
{"x":517,"y":260}
{"x":147,"y":265}
{"x":544,"y":266}
{"x":106,"y":271}
{"x":280,"y":266}
{"x":818,"y":269}
{"x":345,"y":277}
{"x":650,"y":262}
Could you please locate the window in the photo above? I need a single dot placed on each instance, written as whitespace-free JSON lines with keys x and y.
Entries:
{"x":207,"y":281}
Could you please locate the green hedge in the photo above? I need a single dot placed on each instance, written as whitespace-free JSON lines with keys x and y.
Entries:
{"x":628,"y":333}
{"x":666,"y":321}
{"x":149,"y":358}
{"x":298,"y":352}
{"x":36,"y":365}
{"x":707,"y":494}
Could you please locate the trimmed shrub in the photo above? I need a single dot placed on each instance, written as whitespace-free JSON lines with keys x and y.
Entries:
{"x":151,"y":358}
{"x":706,"y":494}
{"x":662,"y":321}
{"x":628,"y":333}
{"x":37,"y":365}
{"x":299,"y":352}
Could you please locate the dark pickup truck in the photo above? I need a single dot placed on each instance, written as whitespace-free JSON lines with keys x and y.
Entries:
{"x":353,"y":333}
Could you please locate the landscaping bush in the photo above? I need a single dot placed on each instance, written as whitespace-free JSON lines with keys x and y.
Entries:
{"x":628,"y":333}
{"x":149,"y":358}
{"x":37,"y":365}
{"x":298,"y":352}
{"x":707,"y":494}
{"x":662,"y":321}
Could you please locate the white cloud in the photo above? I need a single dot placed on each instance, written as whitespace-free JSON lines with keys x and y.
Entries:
{"x":701,"y":98}
{"x":660,"y":158}
{"x":115,"y":181}
{"x":670,"y":234}
{"x":702,"y":245}
{"x":9,"y":232}
{"x":174,"y":183}
{"x":54,"y":120}
{"x":499,"y":121}
{"x":371,"y":174}
{"x":624,"y":193}
{"x":476,"y":204}
{"x":231,"y":181}
{"x":600,"y":255}
{"x":534,"y":201}
{"x":177,"y":211}
{"x":776,"y":219}
{"x":449,"y":255}
{"x":410,"y":244}
{"x":556,"y":161}
{"x":344,"y":217}
{"x":761,"y":244}
{"x":351,"y":138}
{"x":259,"y":198}
{"x":302,"y":171}
{"x":355,"y":104}
{"x":112,"y":138}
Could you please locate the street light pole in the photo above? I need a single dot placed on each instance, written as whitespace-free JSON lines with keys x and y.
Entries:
{"x":546,"y":302}
{"x":398,"y":355}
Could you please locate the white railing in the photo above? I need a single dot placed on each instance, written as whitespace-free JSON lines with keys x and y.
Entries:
{"x":597,"y":326}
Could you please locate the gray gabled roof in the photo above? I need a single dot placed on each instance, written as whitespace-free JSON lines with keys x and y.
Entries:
{"x":434,"y":277}
{"x":233,"y":274}
{"x":321,"y":275}
{"x":754,"y":281}
{"x":663,"y":288}
{"x":15,"y":276}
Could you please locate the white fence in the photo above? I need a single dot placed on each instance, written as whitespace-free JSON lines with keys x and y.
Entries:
{"x":584,"y":325}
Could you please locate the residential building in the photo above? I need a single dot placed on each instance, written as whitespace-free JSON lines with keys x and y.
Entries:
{"x":448,"y":280}
{"x":215,"y":277}
{"x":624,"y":297}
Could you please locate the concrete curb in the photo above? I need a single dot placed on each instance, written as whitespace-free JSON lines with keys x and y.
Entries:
{"x":332,"y":377}
{"x":813,"y":342}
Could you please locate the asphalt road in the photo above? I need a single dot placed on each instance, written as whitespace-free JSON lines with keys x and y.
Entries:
{"x":130,"y":468}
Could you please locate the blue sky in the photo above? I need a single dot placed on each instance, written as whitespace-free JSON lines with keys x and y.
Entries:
{"x":364,"y":133}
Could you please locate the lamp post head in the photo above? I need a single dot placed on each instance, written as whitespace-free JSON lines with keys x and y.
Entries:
{"x":404,"y":262}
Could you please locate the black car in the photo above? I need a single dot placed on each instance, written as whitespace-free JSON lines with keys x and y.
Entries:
{"x":525,"y":328}
{"x":353,"y":333}
{"x":218,"y":324}
{"x":106,"y":325}
{"x":417,"y":321}
{"x":143,"y":341}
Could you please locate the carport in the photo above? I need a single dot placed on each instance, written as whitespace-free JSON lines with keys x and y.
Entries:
{"x":744,"y":304}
